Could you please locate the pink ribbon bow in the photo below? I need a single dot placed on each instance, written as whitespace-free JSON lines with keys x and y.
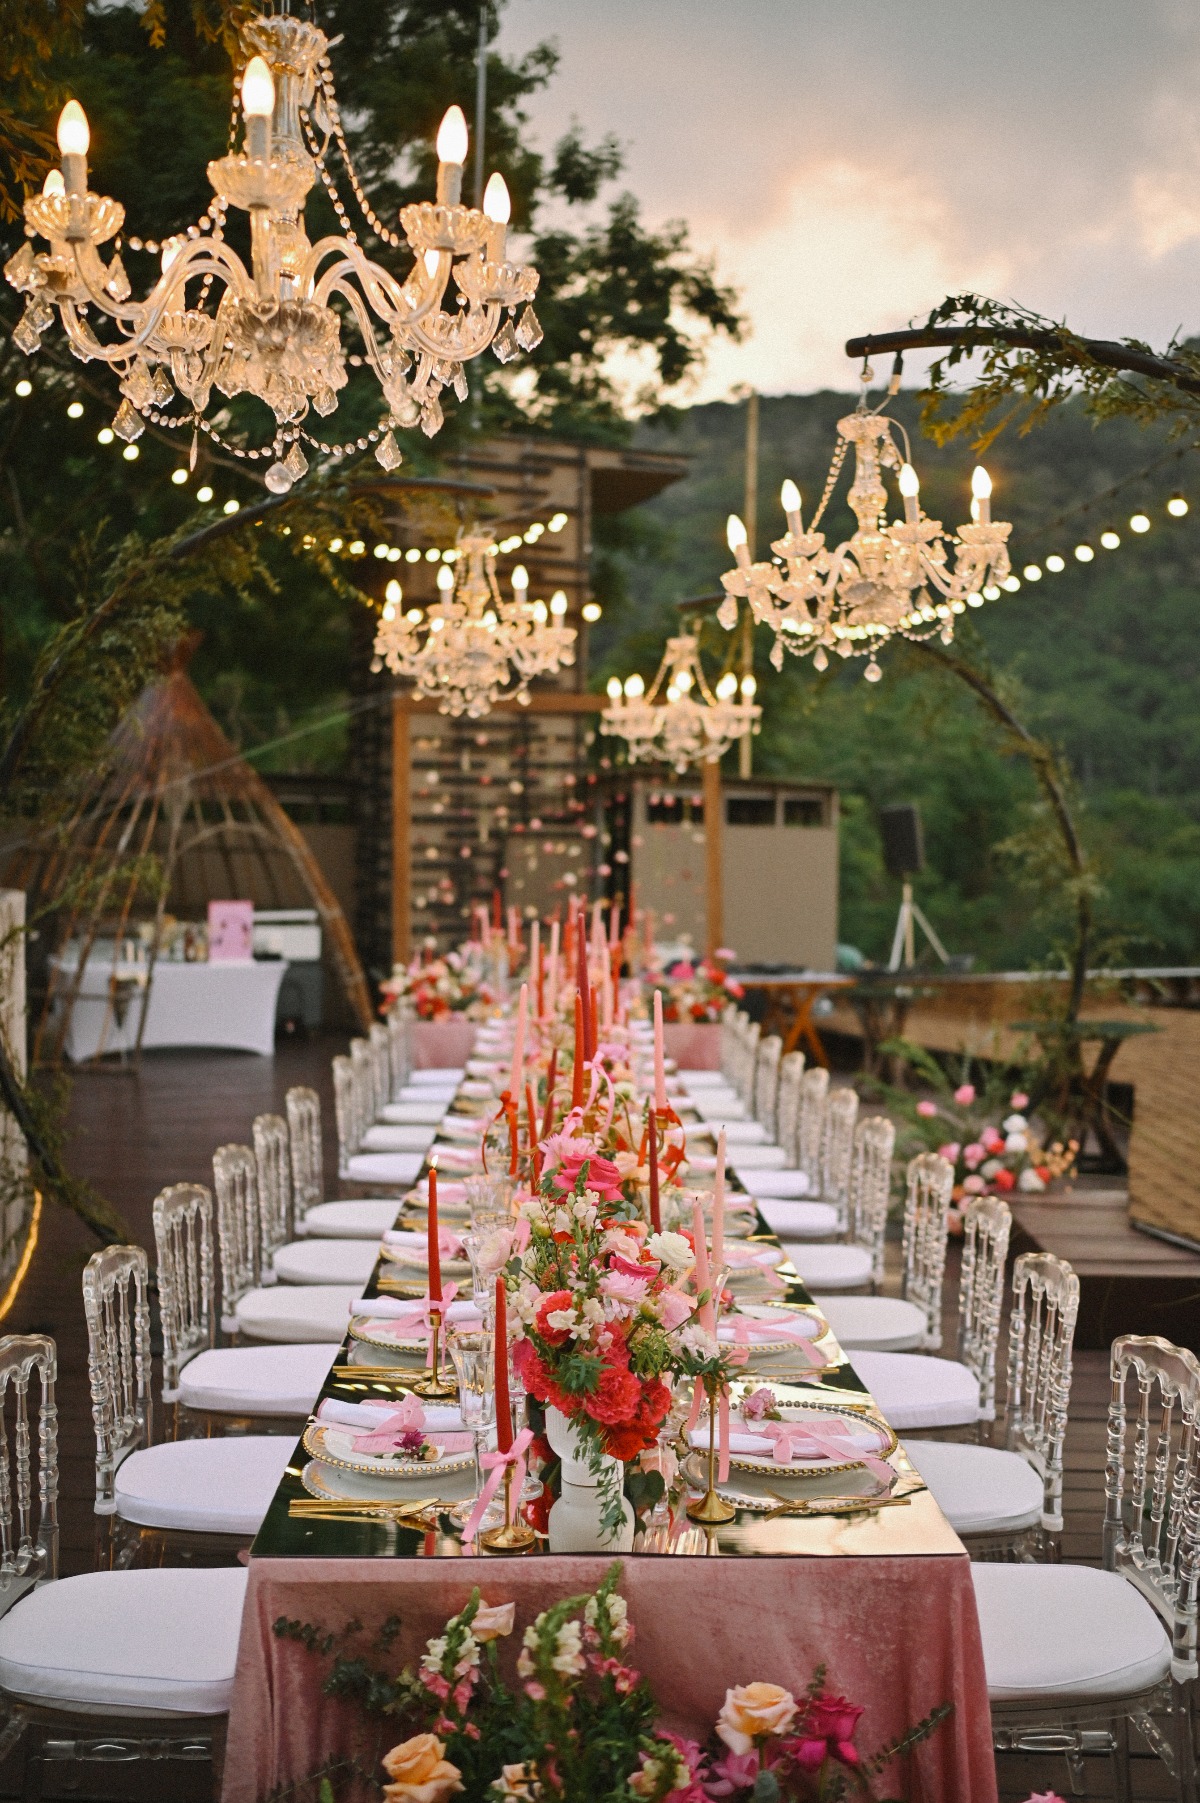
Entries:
{"x":408,"y":1418}
{"x":741,"y":1327}
{"x":800,"y":1439}
{"x":750,"y":1258}
{"x":494,"y":1463}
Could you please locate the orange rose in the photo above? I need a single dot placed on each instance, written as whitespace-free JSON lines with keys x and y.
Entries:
{"x":419,"y":1773}
{"x":751,"y":1712}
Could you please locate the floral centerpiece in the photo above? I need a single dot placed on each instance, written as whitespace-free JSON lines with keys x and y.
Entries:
{"x":579,"y":1722}
{"x":436,"y":988}
{"x":695,"y":989}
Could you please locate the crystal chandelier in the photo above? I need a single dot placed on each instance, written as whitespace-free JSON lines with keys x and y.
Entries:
{"x":886,"y":579}
{"x":274,"y":330}
{"x":472,"y":648}
{"x":679,"y":728}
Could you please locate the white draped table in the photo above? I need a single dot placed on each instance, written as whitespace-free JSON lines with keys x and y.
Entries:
{"x":230,"y":1005}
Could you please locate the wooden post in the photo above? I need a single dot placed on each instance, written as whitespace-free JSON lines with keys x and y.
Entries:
{"x":714,"y":898}
{"x":401,"y":831}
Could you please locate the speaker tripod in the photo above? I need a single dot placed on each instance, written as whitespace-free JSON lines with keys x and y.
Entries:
{"x":904,"y":940}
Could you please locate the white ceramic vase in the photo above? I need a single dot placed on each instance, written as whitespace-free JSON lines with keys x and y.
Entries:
{"x":575,"y":1519}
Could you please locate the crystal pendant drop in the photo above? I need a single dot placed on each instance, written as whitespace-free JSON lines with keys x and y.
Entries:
{"x":727,"y":613}
{"x":26,"y":336}
{"x":117,"y":283}
{"x":431,"y":416}
{"x":325,"y":402}
{"x":820,"y":660}
{"x":872,"y":673}
{"x":278,"y":478}
{"x":20,"y":270}
{"x":194,"y":453}
{"x":388,"y":453}
{"x":296,"y":463}
{"x":504,"y":345}
{"x":127,"y":423}
{"x":164,"y":392}
{"x":529,"y":330}
{"x":459,"y":382}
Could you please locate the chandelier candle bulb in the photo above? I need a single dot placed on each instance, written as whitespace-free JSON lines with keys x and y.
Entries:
{"x":54,"y":183}
{"x":498,"y":208}
{"x":660,"y":1073}
{"x":258,"y":105}
{"x":910,"y":489}
{"x":74,"y":136}
{"x":789,"y":496}
{"x":981,"y":491}
{"x":735,"y":538}
{"x":452,"y":154}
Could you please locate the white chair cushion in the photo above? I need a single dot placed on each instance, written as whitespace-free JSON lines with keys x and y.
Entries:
{"x":365,"y":1220}
{"x":979,"y":1489}
{"x":428,"y":1094}
{"x":705,"y":1080}
{"x":157,"y":1641}
{"x":397,"y":1139}
{"x":426,"y":1113}
{"x":326,"y":1261}
{"x":218,"y":1486}
{"x":256,"y":1380}
{"x":737,"y":1133}
{"x":384,"y":1167}
{"x":441,"y":1076}
{"x":830,"y":1267}
{"x":914,"y":1391}
{"x":757,"y":1158}
{"x":874,"y":1323}
{"x":1066,"y":1631}
{"x":787,"y":1184}
{"x":297,"y":1312}
{"x":719,"y":1107}
{"x":807,"y":1220}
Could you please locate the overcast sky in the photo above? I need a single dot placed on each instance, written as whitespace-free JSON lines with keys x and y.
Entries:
{"x":849,"y":162}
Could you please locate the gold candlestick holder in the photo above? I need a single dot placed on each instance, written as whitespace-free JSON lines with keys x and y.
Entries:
{"x":434,"y":1385}
{"x":711,"y":1509}
{"x":515,"y":1536}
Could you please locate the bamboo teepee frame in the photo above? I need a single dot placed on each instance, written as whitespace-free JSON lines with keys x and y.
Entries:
{"x":172,"y":789}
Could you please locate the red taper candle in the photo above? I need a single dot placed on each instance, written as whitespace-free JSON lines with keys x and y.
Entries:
{"x":655,"y":1216}
{"x":434,"y":1252}
{"x":535,"y":1157}
{"x":548,"y":1116}
{"x":577,"y":1073}
{"x":581,"y":978}
{"x":504,"y":1433}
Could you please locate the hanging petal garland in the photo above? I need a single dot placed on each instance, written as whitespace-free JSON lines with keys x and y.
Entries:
{"x":679,"y":728}
{"x":273,"y":330}
{"x":472,"y":648}
{"x":888,"y":578}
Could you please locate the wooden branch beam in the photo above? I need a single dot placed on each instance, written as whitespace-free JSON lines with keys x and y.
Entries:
{"x":1104,"y":351}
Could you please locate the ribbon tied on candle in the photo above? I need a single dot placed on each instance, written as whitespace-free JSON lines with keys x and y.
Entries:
{"x":495,"y":1463}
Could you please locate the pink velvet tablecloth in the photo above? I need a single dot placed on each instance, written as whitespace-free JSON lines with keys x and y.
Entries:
{"x":441,"y":1044}
{"x":694,"y":1045}
{"x":899,"y":1635}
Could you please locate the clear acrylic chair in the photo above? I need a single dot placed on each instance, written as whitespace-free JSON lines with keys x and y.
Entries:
{"x":273,"y":1171}
{"x":748,"y":1062}
{"x":855,"y":1263}
{"x":94,"y":1668}
{"x":913,"y":1320}
{"x":766,"y":1084}
{"x":1007,"y":1502}
{"x":295,"y":1313}
{"x":361,"y":1156}
{"x":837,"y":1150}
{"x":399,"y":1030}
{"x":810,"y":1125}
{"x":381,"y":1062}
{"x":365,"y":1219}
{"x":787,"y":1120}
{"x":1075,"y":1656}
{"x":181,"y":1487}
{"x":209,"y":1388}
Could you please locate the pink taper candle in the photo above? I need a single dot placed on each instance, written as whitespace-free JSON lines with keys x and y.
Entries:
{"x":718,"y":1240}
{"x":660,"y":1074}
{"x":707,"y":1314}
{"x":535,"y":963}
{"x":516,"y":1077}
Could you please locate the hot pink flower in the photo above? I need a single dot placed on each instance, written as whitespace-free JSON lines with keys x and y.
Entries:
{"x":737,"y":1771}
{"x":927,"y":1109}
{"x":674,"y":1308}
{"x":827,"y":1732}
{"x":964,"y":1095}
{"x":602,"y":1174}
{"x":974,"y":1154}
{"x":1019,"y":1101}
{"x":624,"y":1287}
{"x":950,"y":1150}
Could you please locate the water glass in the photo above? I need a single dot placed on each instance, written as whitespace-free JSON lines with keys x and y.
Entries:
{"x":474,"y":1368}
{"x":488,"y":1195}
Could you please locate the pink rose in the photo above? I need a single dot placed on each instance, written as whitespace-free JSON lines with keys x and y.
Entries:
{"x":950,"y":1151}
{"x":826,"y":1732}
{"x":927,"y":1109}
{"x":974,"y":1154}
{"x":974,"y":1186}
{"x":964,"y":1095}
{"x":992,"y":1141}
{"x":674,"y":1308}
{"x":758,"y":1404}
{"x":1017,"y":1100}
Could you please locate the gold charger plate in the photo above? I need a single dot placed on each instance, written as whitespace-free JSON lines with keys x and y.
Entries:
{"x":334,"y":1485}
{"x":795,"y":1409}
{"x":408,"y":1350}
{"x":329,"y":1443}
{"x":411,"y":1260}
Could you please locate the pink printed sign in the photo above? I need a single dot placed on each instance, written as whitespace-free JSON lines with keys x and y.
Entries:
{"x":230,"y":932}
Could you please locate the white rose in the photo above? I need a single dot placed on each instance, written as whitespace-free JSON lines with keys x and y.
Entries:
{"x":1016,"y":1123}
{"x":991,"y":1167}
{"x":1030,"y":1182}
{"x":671,"y":1249}
{"x":1017,"y":1142}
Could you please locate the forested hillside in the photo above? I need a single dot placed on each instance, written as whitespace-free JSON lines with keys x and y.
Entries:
{"x":1101,"y":660}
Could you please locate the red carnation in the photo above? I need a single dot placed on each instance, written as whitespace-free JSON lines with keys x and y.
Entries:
{"x":549,"y":1305}
{"x":616,"y":1397}
{"x":1004,"y":1180}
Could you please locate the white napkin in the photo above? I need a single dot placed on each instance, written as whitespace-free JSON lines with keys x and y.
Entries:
{"x":758,"y":1446}
{"x":463,"y":1126}
{"x":369,"y":1414}
{"x":394,"y":1308}
{"x":406,"y":1239}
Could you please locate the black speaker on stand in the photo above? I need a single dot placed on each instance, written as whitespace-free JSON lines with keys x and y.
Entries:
{"x":904,"y":857}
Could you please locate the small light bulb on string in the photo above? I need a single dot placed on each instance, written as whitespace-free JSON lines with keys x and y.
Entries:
{"x":1177,"y":507}
{"x":1032,"y":572}
{"x":1084,"y":553}
{"x":1140,"y":522}
{"x":1110,"y":540}
{"x":1055,"y":564}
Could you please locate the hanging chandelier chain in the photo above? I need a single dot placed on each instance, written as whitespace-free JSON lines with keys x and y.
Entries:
{"x":334,"y":113}
{"x":831,"y":482}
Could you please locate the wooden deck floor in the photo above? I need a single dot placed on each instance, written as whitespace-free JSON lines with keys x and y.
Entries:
{"x":132,"y":1133}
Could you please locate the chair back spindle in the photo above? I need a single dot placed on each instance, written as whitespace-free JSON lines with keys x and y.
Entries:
{"x":787,"y":1119}
{"x":1152,"y":1484}
{"x":930,"y":1183}
{"x":235,"y":1181}
{"x":837,"y":1150}
{"x":1041,"y":1333}
{"x":364,"y":1082}
{"x":871,"y":1188}
{"x":345,"y":1096}
{"x":273,"y":1161}
{"x":381,"y":1064}
{"x":183,"y":1242}
{"x":729,"y":1043}
{"x":987,"y":1224}
{"x":398,"y":1032}
{"x":810,"y":1126}
{"x":116,"y":1305}
{"x":749,"y":1062}
{"x":28,"y":1541}
{"x":303,"y":1108}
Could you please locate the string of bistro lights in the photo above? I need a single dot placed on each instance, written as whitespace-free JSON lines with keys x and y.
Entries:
{"x":1053,"y":563}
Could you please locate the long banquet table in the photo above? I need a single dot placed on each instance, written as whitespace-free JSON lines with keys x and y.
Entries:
{"x":884,"y":1599}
